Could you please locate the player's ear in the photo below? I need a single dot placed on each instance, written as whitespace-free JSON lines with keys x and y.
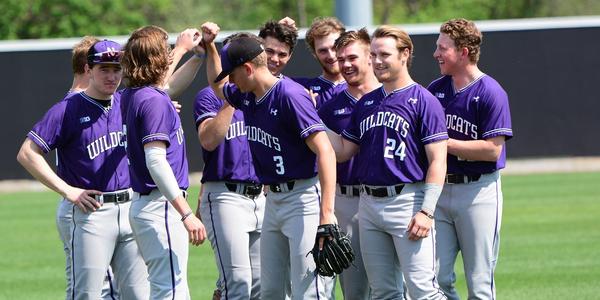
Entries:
{"x":87,"y":69}
{"x":248,"y":69}
{"x":464,"y":52}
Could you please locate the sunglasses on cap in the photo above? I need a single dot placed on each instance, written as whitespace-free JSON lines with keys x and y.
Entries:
{"x":106,"y":57}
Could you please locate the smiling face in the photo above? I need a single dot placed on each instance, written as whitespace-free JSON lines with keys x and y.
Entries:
{"x":325,"y":53}
{"x":278,"y":55}
{"x":386,"y":59}
{"x":449,"y":58}
{"x":104,"y":80}
{"x":354,"y":62}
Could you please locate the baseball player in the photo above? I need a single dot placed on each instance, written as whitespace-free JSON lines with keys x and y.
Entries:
{"x":353,"y":55}
{"x":469,"y":210}
{"x":399,"y":130}
{"x":287,"y":143}
{"x":160,"y":216}
{"x":320,"y":38}
{"x":279,"y":39}
{"x":232,"y":201}
{"x":85,"y":128}
{"x":64,"y":216}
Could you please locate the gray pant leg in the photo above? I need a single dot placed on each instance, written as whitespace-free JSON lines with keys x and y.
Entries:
{"x":233,"y":224}
{"x":164,"y":245}
{"x":274,"y":256}
{"x":446,"y":244}
{"x":353,"y":280}
{"x":93,"y":242}
{"x":478,"y":230}
{"x":64,"y":220}
{"x":127,"y":263}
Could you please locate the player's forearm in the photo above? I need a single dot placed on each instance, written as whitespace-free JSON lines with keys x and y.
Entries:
{"x":213,"y":68}
{"x":183,"y":77}
{"x":327,"y":176}
{"x":212,"y":131}
{"x":477,"y":150}
{"x":37,"y":166}
{"x":161,"y":172}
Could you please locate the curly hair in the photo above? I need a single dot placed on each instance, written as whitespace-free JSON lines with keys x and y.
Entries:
{"x":146,"y":57}
{"x":320,"y":27}
{"x":361,"y":36}
{"x":402,"y":38}
{"x":80,"y":52}
{"x":465,"y":34}
{"x":280,"y":32}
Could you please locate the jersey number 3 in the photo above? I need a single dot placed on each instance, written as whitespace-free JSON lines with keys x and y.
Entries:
{"x":391,"y":150}
{"x":280,"y":169}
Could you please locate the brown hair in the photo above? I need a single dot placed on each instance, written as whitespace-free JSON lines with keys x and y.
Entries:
{"x":283,"y":33}
{"x":361,"y":36}
{"x":320,"y":27}
{"x":79,"y":54}
{"x":146,"y":56}
{"x":465,"y":34}
{"x":403,"y":41}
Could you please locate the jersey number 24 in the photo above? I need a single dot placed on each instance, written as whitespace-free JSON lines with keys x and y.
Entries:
{"x":391,"y":150}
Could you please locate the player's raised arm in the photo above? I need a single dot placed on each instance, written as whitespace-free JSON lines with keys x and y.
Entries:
{"x":319,"y":144}
{"x":183,"y":77}
{"x":213,"y":62}
{"x":187,"y":39}
{"x":30,"y":157}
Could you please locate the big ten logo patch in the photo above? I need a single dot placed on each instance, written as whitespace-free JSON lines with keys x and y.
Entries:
{"x":180,"y":135}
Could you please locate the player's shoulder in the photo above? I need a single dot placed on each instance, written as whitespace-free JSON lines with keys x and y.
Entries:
{"x":440,"y":82}
{"x":490,"y":84}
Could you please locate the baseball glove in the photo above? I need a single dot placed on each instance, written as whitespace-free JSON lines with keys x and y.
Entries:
{"x":337,"y":253}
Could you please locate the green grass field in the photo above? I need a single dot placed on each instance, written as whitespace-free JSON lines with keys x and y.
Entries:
{"x":549,"y":243}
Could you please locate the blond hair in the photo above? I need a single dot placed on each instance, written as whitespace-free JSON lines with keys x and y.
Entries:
{"x":80,"y":52}
{"x":402,"y":38}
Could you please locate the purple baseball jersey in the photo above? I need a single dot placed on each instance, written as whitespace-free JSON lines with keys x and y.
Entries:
{"x":336,"y":116}
{"x":478,"y":111}
{"x":392,"y":131}
{"x":231,"y":160}
{"x":149,"y":115}
{"x":276,"y":126}
{"x":326,"y":89}
{"x":89,"y":142}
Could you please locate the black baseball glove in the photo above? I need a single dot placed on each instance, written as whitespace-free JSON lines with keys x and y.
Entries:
{"x":337,"y":253}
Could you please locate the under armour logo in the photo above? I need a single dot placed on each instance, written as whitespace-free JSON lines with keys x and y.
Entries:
{"x":246,"y":102}
{"x":84,"y":119}
{"x":412,"y":100}
{"x":273,"y":111}
{"x":276,"y":188}
{"x":476,"y":98}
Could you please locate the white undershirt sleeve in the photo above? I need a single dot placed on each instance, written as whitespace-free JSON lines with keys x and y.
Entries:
{"x":161,"y":172}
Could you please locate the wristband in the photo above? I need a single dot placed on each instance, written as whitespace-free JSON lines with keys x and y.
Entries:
{"x":187,"y":214}
{"x":426,"y":214}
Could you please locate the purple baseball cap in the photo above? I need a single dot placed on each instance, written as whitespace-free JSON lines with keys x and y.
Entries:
{"x":105,"y":52}
{"x":236,"y":53}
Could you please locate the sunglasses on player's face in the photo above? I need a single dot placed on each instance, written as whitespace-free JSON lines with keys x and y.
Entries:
{"x":107,"y":56}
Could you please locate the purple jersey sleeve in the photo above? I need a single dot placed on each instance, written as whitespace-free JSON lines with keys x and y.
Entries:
{"x":495,"y":114}
{"x":47,"y":133}
{"x":300,"y":112}
{"x":207,"y":105}
{"x":156,"y":119}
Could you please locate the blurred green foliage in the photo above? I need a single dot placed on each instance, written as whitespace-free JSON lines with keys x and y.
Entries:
{"x":30,"y":19}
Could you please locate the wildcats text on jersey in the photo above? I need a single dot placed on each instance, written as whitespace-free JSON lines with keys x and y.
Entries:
{"x":387,"y":119}
{"x":256,"y":134}
{"x":105,"y":142}
{"x":461,"y":125}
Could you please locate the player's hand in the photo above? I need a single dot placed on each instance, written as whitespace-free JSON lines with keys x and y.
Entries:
{"x":419,"y":227}
{"x":84,"y":199}
{"x":188,"y":39}
{"x":177,"y":105}
{"x":209,"y":32}
{"x":288,"y":22}
{"x":195,"y":229}
{"x":199,"y":50}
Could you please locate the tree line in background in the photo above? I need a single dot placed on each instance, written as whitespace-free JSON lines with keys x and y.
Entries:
{"x":31,"y":19}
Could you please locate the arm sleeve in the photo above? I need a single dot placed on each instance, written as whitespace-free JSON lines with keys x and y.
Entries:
{"x":48,"y":133}
{"x":301,"y":113}
{"x":206,"y":105}
{"x":157,"y":119}
{"x":161,"y":172}
{"x":433,"y":122}
{"x":494,"y":114}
